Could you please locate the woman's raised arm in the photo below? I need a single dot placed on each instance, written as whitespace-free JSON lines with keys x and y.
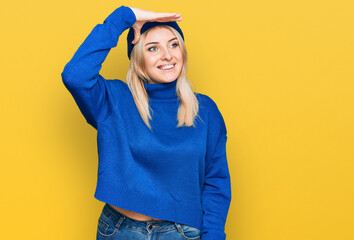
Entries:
{"x":81,"y":77}
{"x":81,"y":74}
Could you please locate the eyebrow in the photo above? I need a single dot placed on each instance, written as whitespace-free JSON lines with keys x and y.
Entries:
{"x":158,"y":42}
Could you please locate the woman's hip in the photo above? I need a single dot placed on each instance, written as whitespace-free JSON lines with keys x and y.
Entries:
{"x":115,"y":225}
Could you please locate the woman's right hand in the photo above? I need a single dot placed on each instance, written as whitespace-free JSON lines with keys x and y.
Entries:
{"x":142,"y":16}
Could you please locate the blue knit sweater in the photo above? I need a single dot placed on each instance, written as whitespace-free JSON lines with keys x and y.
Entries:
{"x":169,"y":173}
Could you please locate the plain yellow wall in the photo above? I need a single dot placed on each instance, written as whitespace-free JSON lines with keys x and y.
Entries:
{"x":281,"y":73}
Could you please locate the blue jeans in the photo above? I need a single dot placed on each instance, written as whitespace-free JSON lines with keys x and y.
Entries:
{"x":116,"y":226}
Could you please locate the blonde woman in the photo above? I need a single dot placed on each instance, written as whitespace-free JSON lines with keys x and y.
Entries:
{"x":163,"y":172}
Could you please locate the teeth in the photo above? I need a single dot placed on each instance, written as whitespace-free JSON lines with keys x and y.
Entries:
{"x":167,"y":67}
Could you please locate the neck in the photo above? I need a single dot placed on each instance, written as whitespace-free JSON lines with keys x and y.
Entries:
{"x":161,"y":90}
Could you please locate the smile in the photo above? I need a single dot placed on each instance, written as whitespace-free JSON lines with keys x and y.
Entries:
{"x":167,"y":67}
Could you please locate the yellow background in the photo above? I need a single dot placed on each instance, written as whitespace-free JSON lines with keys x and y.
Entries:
{"x":281,"y":73}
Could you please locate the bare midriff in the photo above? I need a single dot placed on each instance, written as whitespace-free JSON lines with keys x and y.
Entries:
{"x":134,"y":215}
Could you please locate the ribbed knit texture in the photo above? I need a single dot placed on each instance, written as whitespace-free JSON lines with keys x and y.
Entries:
{"x":169,"y":173}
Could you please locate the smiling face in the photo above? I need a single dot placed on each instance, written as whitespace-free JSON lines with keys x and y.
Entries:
{"x":163,"y":59}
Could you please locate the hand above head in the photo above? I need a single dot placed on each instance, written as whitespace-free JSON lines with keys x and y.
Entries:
{"x":142,"y":16}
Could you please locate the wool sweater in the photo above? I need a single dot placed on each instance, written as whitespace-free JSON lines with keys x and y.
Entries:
{"x":177,"y":174}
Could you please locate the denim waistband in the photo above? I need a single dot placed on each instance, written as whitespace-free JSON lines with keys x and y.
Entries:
{"x":118,"y":217}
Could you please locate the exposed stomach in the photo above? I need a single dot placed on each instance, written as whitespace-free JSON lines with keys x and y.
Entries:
{"x":134,"y":215}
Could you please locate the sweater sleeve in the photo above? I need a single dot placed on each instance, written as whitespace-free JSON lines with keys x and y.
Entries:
{"x":81,"y":76}
{"x":216,"y":192}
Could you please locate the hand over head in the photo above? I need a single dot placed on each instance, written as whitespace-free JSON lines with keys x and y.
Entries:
{"x":142,"y":16}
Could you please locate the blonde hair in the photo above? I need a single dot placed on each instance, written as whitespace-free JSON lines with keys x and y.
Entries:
{"x":189,"y":105}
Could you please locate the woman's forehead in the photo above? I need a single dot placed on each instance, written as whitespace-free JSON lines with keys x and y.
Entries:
{"x":159,"y":33}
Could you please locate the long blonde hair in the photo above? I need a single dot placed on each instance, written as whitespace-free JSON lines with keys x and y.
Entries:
{"x":189,"y":105}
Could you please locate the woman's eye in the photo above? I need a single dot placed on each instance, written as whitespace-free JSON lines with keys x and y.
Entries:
{"x":174,"y":45}
{"x":152,"y":49}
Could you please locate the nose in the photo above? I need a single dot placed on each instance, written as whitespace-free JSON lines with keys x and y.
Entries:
{"x":166,"y":54}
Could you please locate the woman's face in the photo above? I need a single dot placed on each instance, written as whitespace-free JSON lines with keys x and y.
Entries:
{"x":162,"y":55}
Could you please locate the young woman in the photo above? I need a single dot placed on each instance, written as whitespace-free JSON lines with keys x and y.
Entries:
{"x":162,"y":172}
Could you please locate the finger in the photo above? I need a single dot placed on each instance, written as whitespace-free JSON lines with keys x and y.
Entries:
{"x":169,"y":19}
{"x":167,"y":15}
{"x":136,"y":36}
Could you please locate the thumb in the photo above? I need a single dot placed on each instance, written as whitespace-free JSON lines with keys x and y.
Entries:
{"x":136,"y":35}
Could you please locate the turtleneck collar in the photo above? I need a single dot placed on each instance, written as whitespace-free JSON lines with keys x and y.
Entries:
{"x":161,"y":90}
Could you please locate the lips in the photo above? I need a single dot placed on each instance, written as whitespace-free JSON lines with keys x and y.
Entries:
{"x":167,"y":67}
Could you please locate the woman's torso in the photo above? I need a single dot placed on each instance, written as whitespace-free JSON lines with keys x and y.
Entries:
{"x":134,"y":215}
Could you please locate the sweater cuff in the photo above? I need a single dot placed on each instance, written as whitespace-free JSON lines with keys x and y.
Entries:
{"x":122,"y":17}
{"x":213,"y":235}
